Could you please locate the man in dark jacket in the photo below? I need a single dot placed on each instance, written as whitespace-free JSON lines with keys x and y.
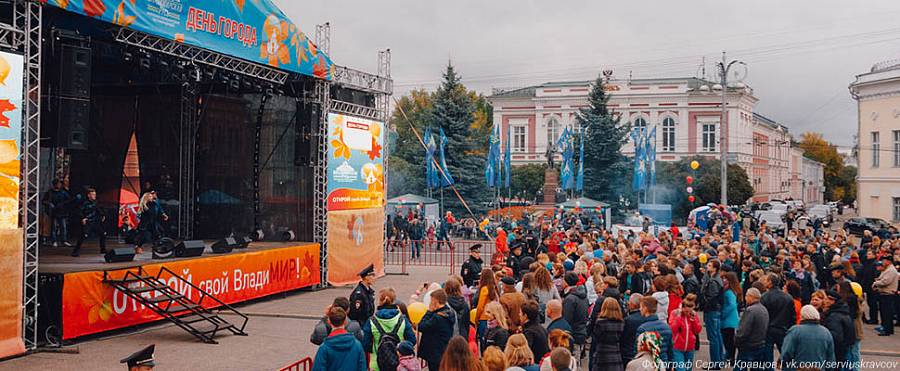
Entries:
{"x":91,"y":222}
{"x":362,"y":299}
{"x":867,"y":276}
{"x":323,"y":328}
{"x":575,"y":307}
{"x":340,"y":351}
{"x":750,"y":336}
{"x":533,"y":331}
{"x":471,"y":269}
{"x":512,"y":261}
{"x":782,"y":315}
{"x":838,"y":322}
{"x":654,"y":324}
{"x":711,"y":296}
{"x":554,"y":314}
{"x":436,"y":329}
{"x":690,"y":284}
{"x":629,"y":333}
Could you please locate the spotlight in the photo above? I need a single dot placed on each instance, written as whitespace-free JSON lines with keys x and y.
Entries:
{"x":257,"y":235}
{"x":235,"y":85}
{"x":288,"y":235}
{"x":145,"y":63}
{"x":128,"y":56}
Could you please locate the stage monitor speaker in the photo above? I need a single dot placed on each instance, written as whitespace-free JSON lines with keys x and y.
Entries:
{"x":123,"y":254}
{"x":224,"y":245}
{"x":189,"y":248}
{"x":306,"y":144}
{"x":74,"y":71}
{"x":164,"y":248}
{"x":73,"y":123}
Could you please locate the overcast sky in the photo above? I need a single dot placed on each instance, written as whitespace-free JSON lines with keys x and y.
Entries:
{"x":802,"y":54}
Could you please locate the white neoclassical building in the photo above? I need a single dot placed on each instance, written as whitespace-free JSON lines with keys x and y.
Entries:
{"x":685,"y":111}
{"x":877,"y":93}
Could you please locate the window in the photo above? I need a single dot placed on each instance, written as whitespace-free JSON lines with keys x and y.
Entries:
{"x":553,"y":131}
{"x":640,"y":124}
{"x":518,"y":139}
{"x":896,"y":208}
{"x":896,"y":148}
{"x":668,"y":133}
{"x":876,"y":146}
{"x":709,"y":137}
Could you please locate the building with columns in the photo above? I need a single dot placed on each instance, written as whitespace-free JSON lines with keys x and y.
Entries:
{"x":685,"y":111}
{"x":877,"y":93}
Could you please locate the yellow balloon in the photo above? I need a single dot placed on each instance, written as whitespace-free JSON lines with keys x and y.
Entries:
{"x":472,"y":318}
{"x":857,"y":288}
{"x":416,"y":312}
{"x":695,"y":165}
{"x":703,"y":258}
{"x":4,"y":70}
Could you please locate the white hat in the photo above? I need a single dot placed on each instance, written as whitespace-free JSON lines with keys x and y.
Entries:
{"x":809,"y":312}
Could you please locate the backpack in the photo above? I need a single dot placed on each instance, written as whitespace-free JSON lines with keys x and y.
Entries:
{"x":386,"y":350}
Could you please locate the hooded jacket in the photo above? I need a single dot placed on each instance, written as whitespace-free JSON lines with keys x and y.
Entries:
{"x":807,"y":342}
{"x":436,"y":329}
{"x":654,"y":324}
{"x":340,"y":352}
{"x":388,"y":316}
{"x":781,"y":310}
{"x":685,"y":330}
{"x":458,"y":303}
{"x":322,"y":330}
{"x":662,"y":305}
{"x":838,"y":322}
{"x":575,"y":312}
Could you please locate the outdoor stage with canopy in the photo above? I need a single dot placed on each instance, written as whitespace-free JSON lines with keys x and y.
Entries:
{"x":241,"y":124}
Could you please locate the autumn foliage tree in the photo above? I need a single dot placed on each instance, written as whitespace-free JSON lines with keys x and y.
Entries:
{"x":817,"y":148}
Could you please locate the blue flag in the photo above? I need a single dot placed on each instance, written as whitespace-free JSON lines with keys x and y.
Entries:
{"x":446,"y":179}
{"x":491,"y":166}
{"x":579,"y":180}
{"x":429,"y":156}
{"x":651,"y":158}
{"x":507,"y":158}
{"x":637,"y":181}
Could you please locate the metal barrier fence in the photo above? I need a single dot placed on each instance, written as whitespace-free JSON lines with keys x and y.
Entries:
{"x":433,"y":253}
{"x":301,"y":365}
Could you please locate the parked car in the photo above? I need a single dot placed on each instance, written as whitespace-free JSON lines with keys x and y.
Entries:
{"x":773,"y":219}
{"x":879,"y":227}
{"x":823,"y":212}
{"x":834,"y":206}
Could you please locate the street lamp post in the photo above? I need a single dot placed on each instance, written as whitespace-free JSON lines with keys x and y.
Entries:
{"x":724,"y":67}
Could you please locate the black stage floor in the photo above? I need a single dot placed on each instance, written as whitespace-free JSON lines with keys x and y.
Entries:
{"x":58,"y":259}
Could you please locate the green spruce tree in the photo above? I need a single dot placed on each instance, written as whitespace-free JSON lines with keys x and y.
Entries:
{"x":605,"y":167}
{"x":453,"y":110}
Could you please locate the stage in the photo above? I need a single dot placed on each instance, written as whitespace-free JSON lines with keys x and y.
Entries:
{"x":75,"y":301}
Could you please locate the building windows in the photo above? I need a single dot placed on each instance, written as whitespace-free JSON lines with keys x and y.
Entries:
{"x":896,"y":148}
{"x":896,"y":208}
{"x":553,"y":131}
{"x":708,"y":134}
{"x":640,"y":124}
{"x":668,"y":133}
{"x":518,"y":139}
{"x":876,"y":147}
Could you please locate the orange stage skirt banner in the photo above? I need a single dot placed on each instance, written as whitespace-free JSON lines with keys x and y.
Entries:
{"x":355,"y":240}
{"x":89,"y":306}
{"x":11,"y":293}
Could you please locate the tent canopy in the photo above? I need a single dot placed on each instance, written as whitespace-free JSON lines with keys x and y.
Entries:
{"x":411,"y":199}
{"x":582,"y":202}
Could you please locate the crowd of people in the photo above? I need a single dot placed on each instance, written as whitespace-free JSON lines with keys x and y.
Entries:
{"x":559,"y":293}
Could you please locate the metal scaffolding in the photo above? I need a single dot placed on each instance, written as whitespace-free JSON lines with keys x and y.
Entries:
{"x":25,"y":36}
{"x":321,"y":96}
{"x":187,"y":138}
{"x":200,"y":55}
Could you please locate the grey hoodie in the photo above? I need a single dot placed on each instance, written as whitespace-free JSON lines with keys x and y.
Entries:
{"x":662,"y":305}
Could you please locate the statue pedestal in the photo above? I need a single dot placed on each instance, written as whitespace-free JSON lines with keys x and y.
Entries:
{"x":551,"y":183}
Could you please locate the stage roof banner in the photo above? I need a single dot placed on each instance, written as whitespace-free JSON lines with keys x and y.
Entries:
{"x":254,"y":30}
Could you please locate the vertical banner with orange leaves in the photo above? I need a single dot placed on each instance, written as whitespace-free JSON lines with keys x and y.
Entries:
{"x":89,"y":306}
{"x":11,"y":80}
{"x":355,"y":240}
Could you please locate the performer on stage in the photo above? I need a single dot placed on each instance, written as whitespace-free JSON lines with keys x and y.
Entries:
{"x":59,"y":201}
{"x":91,"y":222}
{"x":362,"y":299}
{"x":150,"y":227}
{"x":141,"y":360}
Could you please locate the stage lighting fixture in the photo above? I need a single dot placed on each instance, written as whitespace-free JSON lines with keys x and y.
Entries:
{"x":288,"y":235}
{"x":164,"y":248}
{"x":235,"y":85}
{"x":128,"y":56}
{"x":164,"y":64}
{"x":145,"y":63}
{"x":244,"y":242}
{"x":257,"y":235}
{"x":224,"y":245}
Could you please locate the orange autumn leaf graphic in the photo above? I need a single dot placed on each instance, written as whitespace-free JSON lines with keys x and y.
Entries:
{"x":5,"y":106}
{"x":9,"y":188}
{"x":373,"y":175}
{"x":94,"y":8}
{"x":376,"y":150}
{"x":299,"y":42}
{"x":100,"y":305}
{"x":62,"y":3}
{"x":240,"y":4}
{"x":120,"y":18}
{"x":273,"y":49}
{"x":340,"y":148}
{"x":319,"y":69}
{"x":11,"y":169}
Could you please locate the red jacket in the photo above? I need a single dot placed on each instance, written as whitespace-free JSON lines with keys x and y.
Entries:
{"x":674,"y":303}
{"x":685,"y":330}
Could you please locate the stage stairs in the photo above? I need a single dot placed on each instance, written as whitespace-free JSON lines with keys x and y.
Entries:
{"x":185,"y":312}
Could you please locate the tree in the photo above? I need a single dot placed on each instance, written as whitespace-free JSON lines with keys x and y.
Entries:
{"x":604,"y":165}
{"x":672,"y":185}
{"x":453,"y":110}
{"x":845,"y":191}
{"x":526,"y":180}
{"x":817,"y":148}
{"x":406,"y":170}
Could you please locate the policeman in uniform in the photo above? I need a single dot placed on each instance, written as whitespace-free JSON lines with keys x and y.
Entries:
{"x":471,"y":269}
{"x":91,"y":222}
{"x":362,"y":299}
{"x":141,"y":360}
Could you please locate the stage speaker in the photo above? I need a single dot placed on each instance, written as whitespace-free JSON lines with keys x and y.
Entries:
{"x":73,"y":122}
{"x":124,"y":254}
{"x":189,"y":248}
{"x":224,"y":245}
{"x":74,"y":71}
{"x":288,"y":235}
{"x":164,"y":248}
{"x":306,"y":144}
